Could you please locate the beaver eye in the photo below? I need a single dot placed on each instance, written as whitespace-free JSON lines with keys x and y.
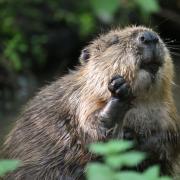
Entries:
{"x":85,"y":55}
{"x":113,"y":40}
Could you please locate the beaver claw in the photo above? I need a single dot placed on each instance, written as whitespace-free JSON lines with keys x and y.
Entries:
{"x":119,"y":87}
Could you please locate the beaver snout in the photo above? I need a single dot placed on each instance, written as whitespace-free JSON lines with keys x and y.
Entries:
{"x":150,"y":51}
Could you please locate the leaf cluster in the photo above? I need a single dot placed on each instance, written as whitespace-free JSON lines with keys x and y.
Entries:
{"x":117,"y":154}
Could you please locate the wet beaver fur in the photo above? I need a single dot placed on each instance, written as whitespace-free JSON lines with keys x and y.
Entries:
{"x":122,"y":89}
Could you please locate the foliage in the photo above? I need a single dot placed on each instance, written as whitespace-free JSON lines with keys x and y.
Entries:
{"x":116,"y":156}
{"x":26,"y":26}
{"x":7,"y":166}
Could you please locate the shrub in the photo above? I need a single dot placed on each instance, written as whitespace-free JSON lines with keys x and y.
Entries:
{"x":116,"y":156}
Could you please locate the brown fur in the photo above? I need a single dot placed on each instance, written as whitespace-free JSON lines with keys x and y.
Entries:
{"x":51,"y":135}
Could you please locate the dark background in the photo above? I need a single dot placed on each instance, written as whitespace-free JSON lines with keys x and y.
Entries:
{"x":41,"y":39}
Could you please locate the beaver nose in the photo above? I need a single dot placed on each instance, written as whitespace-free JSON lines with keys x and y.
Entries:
{"x":148,"y":38}
{"x":150,"y":50}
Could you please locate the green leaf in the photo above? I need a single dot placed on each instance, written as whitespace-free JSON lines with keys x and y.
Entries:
{"x":105,"y":9}
{"x":87,"y":23}
{"x":165,"y":178}
{"x":148,"y":6}
{"x":111,"y":147}
{"x":129,"y":175}
{"x":16,"y":62}
{"x":8,"y":165}
{"x":126,"y":159}
{"x":152,"y":173}
{"x":97,"y":171}
{"x":23,"y":47}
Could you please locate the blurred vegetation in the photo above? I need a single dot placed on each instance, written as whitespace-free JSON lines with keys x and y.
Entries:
{"x":25,"y":25}
{"x":116,"y":155}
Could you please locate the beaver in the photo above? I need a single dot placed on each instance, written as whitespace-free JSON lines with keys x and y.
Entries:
{"x":122,"y":89}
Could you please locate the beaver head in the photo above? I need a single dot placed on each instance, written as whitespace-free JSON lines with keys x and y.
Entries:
{"x":136,"y":53}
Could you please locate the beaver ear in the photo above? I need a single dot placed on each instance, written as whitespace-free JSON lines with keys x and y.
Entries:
{"x":85,"y":55}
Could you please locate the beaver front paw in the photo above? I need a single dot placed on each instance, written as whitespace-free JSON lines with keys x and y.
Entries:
{"x":119,"y":88}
